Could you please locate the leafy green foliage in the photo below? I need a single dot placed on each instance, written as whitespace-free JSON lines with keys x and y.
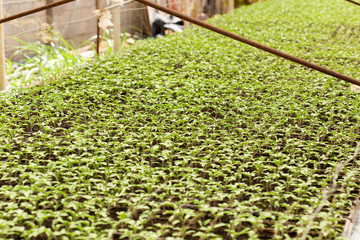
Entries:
{"x":41,"y":61}
{"x":193,"y":136}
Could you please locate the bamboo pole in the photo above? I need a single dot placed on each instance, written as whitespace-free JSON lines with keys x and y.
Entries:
{"x":2,"y":51}
{"x":117,"y":28}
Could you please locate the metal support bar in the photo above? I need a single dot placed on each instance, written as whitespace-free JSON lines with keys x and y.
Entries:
{"x":356,"y":3}
{"x":35,"y":10}
{"x":251,"y":43}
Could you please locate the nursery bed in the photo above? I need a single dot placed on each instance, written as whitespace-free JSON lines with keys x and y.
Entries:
{"x":193,"y":136}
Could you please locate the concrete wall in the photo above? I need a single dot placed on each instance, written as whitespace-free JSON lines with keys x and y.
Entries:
{"x":134,"y":19}
{"x":75,"y":21}
{"x":23,"y":25}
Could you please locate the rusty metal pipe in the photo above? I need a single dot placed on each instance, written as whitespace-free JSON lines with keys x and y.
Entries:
{"x":356,"y":3}
{"x":251,"y":43}
{"x":35,"y":10}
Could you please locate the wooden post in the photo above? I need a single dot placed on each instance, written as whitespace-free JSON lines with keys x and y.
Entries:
{"x":98,"y":4}
{"x":117,"y":28}
{"x":148,"y":26}
{"x":187,"y":11}
{"x":2,"y":51}
{"x":231,"y":5}
{"x":98,"y":30}
{"x":218,"y":7}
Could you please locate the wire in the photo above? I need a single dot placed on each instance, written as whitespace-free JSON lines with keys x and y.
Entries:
{"x":35,"y":10}
{"x":251,"y":42}
{"x":7,"y":11}
{"x":118,"y":5}
{"x":58,"y":24}
{"x":63,"y":32}
{"x":76,"y":21}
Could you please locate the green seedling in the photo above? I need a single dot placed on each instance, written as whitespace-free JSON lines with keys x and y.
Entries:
{"x":193,"y":136}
